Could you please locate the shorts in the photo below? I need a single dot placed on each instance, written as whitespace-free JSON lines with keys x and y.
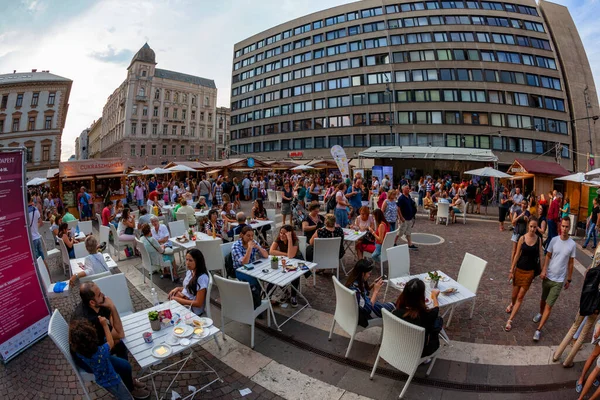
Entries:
{"x":405,"y":228}
{"x":38,"y":248}
{"x":286,"y":209}
{"x":86,"y":211}
{"x":515,"y":237}
{"x":456,"y":210}
{"x":550,"y":291}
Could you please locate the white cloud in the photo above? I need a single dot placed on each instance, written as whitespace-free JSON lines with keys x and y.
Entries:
{"x":91,"y":43}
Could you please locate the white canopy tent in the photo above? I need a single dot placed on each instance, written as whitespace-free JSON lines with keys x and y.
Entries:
{"x":593,"y":174}
{"x":37,"y":181}
{"x":181,"y":168}
{"x":155,"y":171}
{"x":489,"y":172}
{"x":302,"y":167}
{"x":579,"y":177}
{"x":429,"y":153}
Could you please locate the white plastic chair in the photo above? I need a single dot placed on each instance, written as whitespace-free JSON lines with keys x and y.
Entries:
{"x":279,"y":197}
{"x":80,"y":250}
{"x":401,"y":346}
{"x":271,"y":216}
{"x":119,"y":244}
{"x":302,"y":245}
{"x":272,"y":196}
{"x":72,"y":224}
{"x":237,"y":305}
{"x":443,"y":212}
{"x":99,"y":219}
{"x":177,"y":228}
{"x":388,"y":242}
{"x":213,"y":255}
{"x":226,"y":250}
{"x":346,"y":312}
{"x":115,"y":287}
{"x":47,"y":283}
{"x":85,"y":227}
{"x":47,"y":234}
{"x":147,"y":263}
{"x":104,"y":236}
{"x":136,"y":214}
{"x":65,"y":257}
{"x":326,"y":255}
{"x":469,"y":275}
{"x":398,"y":263}
{"x":90,"y":278}
{"x":181,"y":216}
{"x":58,"y":330}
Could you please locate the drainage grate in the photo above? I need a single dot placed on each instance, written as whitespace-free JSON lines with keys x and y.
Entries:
{"x":397,"y":375}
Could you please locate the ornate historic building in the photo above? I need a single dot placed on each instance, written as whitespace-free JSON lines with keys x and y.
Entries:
{"x":33,"y":111}
{"x":156,"y":116}
{"x":507,"y":76}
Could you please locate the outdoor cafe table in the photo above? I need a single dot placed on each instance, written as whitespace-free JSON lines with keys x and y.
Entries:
{"x":278,"y":278}
{"x":75,"y":268}
{"x":136,"y":324}
{"x":190,"y":244}
{"x":453,"y":299}
{"x":351,"y":236}
{"x":256,"y":225}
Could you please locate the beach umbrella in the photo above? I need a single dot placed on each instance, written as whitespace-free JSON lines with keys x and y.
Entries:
{"x":181,"y":168}
{"x":593,"y":174}
{"x":302,"y":167}
{"x":577,"y":178}
{"x":489,"y":172}
{"x":156,"y":171}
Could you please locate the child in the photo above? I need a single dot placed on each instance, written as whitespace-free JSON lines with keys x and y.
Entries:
{"x":84,"y":342}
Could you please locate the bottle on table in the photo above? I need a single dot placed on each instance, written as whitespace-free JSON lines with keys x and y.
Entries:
{"x":154,"y":297}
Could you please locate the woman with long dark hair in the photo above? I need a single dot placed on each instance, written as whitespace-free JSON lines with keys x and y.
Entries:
{"x":411,"y":307}
{"x":195,"y":284}
{"x":260,"y":213}
{"x":366,"y":293}
{"x":287,"y":245}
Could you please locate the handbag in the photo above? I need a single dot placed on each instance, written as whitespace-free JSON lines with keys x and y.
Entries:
{"x":129,"y":231}
{"x":537,"y":269}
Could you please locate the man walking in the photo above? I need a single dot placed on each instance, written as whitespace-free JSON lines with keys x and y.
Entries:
{"x":471,"y":192}
{"x":552,"y":218}
{"x":407,"y":214}
{"x":354,"y":196}
{"x":558,"y":265}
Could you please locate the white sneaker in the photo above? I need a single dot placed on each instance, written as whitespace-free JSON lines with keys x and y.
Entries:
{"x":537,"y":318}
{"x":537,"y":335}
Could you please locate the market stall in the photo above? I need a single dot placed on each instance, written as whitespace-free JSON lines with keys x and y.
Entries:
{"x":102,"y":178}
{"x":537,"y":176}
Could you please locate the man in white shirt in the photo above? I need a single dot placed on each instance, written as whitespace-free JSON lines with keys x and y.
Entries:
{"x":159,"y":231}
{"x":34,"y":222}
{"x":558,"y":266}
{"x":246,"y":185}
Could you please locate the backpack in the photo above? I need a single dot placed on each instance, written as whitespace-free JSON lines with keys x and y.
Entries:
{"x":229,"y":266}
{"x":589,"y":303}
{"x":332,"y":202}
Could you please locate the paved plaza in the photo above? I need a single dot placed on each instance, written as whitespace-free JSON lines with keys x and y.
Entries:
{"x":482,"y":361}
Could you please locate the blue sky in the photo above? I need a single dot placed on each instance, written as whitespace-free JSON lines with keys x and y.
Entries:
{"x":92,"y":42}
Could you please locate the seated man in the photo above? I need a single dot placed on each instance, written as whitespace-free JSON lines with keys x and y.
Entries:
{"x":241,"y":220}
{"x":159,"y":231}
{"x":189,"y":212}
{"x":95,"y":304}
{"x":107,"y":216}
{"x":144,"y":217}
{"x":456,"y":207}
{"x":68,"y":217}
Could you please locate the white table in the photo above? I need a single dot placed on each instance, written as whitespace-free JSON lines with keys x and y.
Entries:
{"x":446,"y":282}
{"x":190,"y":244}
{"x":136,"y":324}
{"x":257,"y":225}
{"x":75,"y":268}
{"x":277,"y":277}
{"x":200,"y":214}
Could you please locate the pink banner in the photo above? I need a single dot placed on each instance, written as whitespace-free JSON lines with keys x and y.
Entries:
{"x":24,"y":313}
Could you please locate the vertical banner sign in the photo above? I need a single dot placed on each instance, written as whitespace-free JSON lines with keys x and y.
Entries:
{"x":339,"y":156}
{"x":24,"y":313}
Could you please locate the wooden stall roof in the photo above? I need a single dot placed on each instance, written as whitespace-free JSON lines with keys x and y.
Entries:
{"x":322,"y":163}
{"x":282,"y":164}
{"x":536,"y":167}
{"x":235,"y":163}
{"x":70,"y":169}
{"x":198,"y":165}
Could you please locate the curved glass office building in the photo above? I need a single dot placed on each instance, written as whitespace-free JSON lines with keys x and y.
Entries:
{"x":510,"y":77}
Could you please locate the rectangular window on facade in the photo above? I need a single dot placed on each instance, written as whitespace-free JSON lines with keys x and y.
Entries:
{"x":48,"y":122}
{"x":30,"y":124}
{"x":133,"y":128}
{"x":173,"y":150}
{"x":45,"y":153}
{"x":35,"y":99}
{"x":19,"y":101}
{"x":164,"y":150}
{"x":51,"y":98}
{"x":132,"y":150}
{"x":142,"y":150}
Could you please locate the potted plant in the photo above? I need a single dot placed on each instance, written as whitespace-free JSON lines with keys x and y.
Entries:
{"x":154,"y":320}
{"x":274,"y":262}
{"x":435,"y":279}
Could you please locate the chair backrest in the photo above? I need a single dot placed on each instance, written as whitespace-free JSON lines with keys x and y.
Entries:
{"x":89,"y":278}
{"x":46,"y":233}
{"x":136,"y":214}
{"x":213,"y":255}
{"x":443,"y":210}
{"x":236,"y":300}
{"x":211,"y":281}
{"x":398,"y":261}
{"x":388,"y":242}
{"x":226,"y":249}
{"x":271,"y":215}
{"x":64,"y":252}
{"x":58,"y":330}
{"x":85,"y":227}
{"x":470,"y":273}
{"x":104,"y":234}
{"x":279,"y":196}
{"x":402,"y":343}
{"x":181,"y":216}
{"x":272,"y":195}
{"x":80,"y":250}
{"x":327,"y":252}
{"x":115,"y":235}
{"x":146,"y":262}
{"x":302,"y":245}
{"x":43,"y":273}
{"x":177,"y":228}
{"x":115,"y":287}
{"x":72,"y":224}
{"x":346,"y":307}
{"x":99,"y":219}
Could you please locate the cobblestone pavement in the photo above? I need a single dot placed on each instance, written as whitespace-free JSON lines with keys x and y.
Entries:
{"x":41,"y":372}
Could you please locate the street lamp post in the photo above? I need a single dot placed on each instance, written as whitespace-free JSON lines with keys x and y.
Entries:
{"x":588,"y":105}
{"x":389,"y":94}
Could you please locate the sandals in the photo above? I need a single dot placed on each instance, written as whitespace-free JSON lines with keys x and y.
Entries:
{"x":509,"y":309}
{"x":508,"y":326}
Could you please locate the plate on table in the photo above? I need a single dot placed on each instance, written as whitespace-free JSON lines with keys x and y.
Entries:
{"x":450,"y":290}
{"x":182,"y":239}
{"x":182,"y":331}
{"x":162,"y":351}
{"x":401,"y":285}
{"x":172,"y":340}
{"x":204,"y":322}
{"x":201,"y":332}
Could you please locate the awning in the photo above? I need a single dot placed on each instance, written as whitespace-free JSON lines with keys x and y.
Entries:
{"x":429,"y":153}
{"x":214,"y":171}
{"x":110,"y":176}
{"x":522,"y":176}
{"x":78,"y":178}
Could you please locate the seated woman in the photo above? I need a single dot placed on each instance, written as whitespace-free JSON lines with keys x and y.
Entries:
{"x":64,"y":234}
{"x":126,"y":227}
{"x":286,"y":245}
{"x":327,"y":231}
{"x":55,"y":222}
{"x":93,"y":264}
{"x":188,"y":211}
{"x":260,"y":213}
{"x":312,"y":222}
{"x":379,"y":234}
{"x":214,"y":226}
{"x":366,"y":294}
{"x":456,"y":207}
{"x":429,"y":205}
{"x":157,"y":254}
{"x":411,"y":307}
{"x":227,"y":213}
{"x":244,"y":251}
{"x":195,"y":283}
{"x":201,"y":204}
{"x":363,"y":223}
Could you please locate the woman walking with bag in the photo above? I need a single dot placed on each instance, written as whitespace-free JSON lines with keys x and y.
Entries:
{"x":525,"y":266}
